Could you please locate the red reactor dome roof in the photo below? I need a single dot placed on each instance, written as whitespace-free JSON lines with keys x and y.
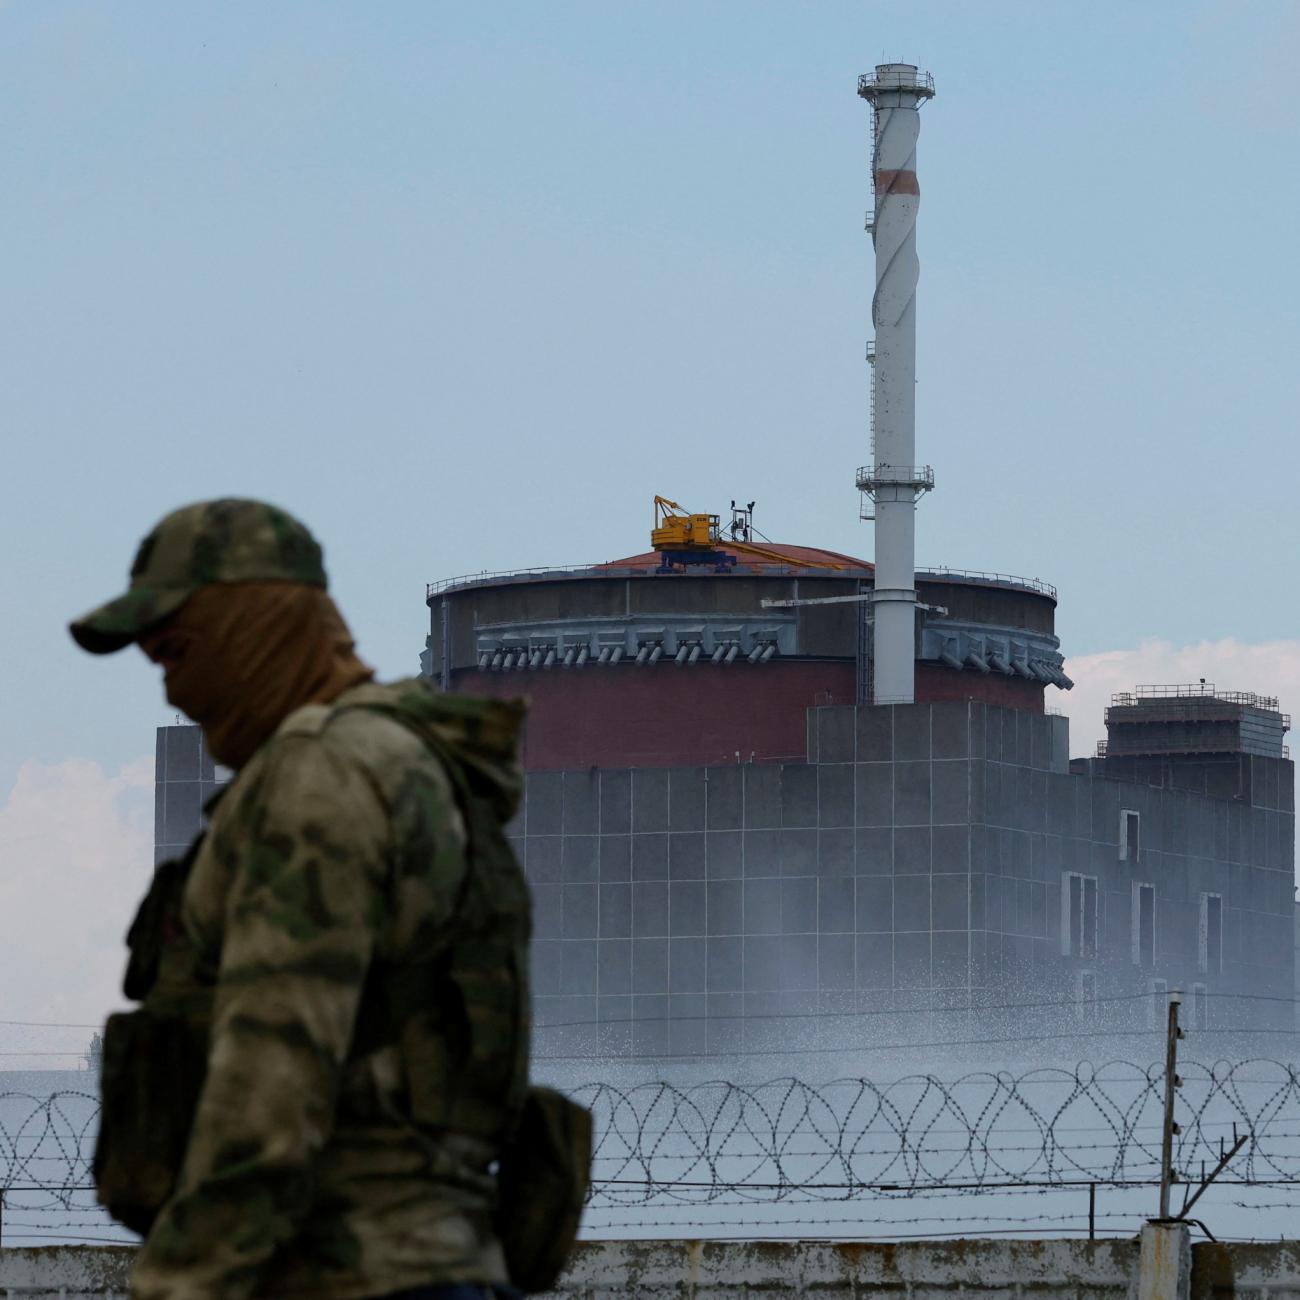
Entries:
{"x":794,"y":556}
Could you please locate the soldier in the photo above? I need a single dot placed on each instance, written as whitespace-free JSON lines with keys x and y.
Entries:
{"x":333,"y":1030}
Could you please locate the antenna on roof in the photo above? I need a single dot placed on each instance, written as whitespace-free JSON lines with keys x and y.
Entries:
{"x":742,"y":522}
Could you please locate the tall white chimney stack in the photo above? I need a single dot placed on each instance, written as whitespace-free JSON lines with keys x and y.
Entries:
{"x":894,"y":482}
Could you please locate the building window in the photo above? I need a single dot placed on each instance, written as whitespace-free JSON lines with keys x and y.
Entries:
{"x":1211,"y":940}
{"x":1200,"y":1007}
{"x":1130,"y":835}
{"x":1144,"y":926}
{"x":1158,"y":1005}
{"x":1078,"y":915}
{"x":1086,"y":994}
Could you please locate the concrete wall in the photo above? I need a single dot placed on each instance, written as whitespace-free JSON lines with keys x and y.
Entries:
{"x":665,"y":716}
{"x":922,"y":853}
{"x":822,"y":629}
{"x":917,"y":860}
{"x":698,"y":1270}
{"x":65,"y":1272}
{"x":640,"y":716}
{"x":840,"y":1270}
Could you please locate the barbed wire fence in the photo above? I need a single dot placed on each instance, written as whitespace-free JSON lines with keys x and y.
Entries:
{"x":46,"y":1185}
{"x":917,"y":1156}
{"x":984,"y":1130}
{"x":864,"y":1157}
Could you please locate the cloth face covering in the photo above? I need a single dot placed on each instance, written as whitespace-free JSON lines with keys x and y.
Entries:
{"x":252,"y":653}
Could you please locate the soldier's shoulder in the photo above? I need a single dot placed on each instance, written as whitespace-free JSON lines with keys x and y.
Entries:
{"x":359,"y":718}
{"x":366,"y":730}
{"x":372,"y":726}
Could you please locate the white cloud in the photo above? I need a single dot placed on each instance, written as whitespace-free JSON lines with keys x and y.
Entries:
{"x":1268,"y":668}
{"x":76,"y":850}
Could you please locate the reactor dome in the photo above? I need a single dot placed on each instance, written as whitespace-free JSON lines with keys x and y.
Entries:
{"x":628,"y":665}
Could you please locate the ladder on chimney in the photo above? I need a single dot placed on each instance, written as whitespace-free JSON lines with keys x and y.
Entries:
{"x":865,"y":627}
{"x":871,"y":361}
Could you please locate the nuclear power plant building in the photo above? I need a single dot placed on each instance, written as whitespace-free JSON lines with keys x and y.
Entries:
{"x":771,"y":783}
{"x":719,"y":850}
{"x":772,"y":789}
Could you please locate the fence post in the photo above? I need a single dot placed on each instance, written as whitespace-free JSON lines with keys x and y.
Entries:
{"x":1165,"y":1262}
{"x":1172,"y":1081}
{"x":1092,"y":1211}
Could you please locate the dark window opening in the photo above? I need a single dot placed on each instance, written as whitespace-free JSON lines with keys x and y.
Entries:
{"x":1200,"y":1007}
{"x":1087,"y":998}
{"x":1211,"y":932}
{"x":1144,"y":926}
{"x":1130,"y":836}
{"x":1081,"y":916}
{"x":1159,"y":1008}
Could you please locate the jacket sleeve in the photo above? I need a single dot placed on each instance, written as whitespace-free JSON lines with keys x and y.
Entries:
{"x":306,"y":863}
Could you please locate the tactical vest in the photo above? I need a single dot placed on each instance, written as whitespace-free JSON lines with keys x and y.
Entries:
{"x":460,"y":1019}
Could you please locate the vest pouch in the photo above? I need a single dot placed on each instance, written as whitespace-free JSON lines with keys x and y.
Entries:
{"x":151,"y":1073}
{"x":542,"y":1181}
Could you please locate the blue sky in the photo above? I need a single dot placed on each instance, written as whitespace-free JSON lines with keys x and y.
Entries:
{"x":465,"y":285}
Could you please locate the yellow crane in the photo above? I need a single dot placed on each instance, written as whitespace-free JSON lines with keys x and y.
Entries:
{"x":676,"y":529}
{"x":683,"y":538}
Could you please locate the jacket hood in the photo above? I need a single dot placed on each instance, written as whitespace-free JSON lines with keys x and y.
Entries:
{"x":480,"y":736}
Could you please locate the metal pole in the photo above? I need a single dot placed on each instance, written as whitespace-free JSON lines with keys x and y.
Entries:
{"x":1237,"y":1144}
{"x":1172,"y":1081}
{"x":1092,"y":1211}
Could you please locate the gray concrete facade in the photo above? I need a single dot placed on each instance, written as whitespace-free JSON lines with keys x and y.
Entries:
{"x":926,"y":855}
{"x":185,"y":778}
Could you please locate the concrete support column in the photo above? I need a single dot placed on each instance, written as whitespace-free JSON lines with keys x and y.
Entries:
{"x":1165,"y":1262}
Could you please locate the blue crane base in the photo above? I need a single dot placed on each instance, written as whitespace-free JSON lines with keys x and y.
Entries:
{"x":671,"y":561}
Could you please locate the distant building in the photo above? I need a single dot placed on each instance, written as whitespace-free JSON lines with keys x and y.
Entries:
{"x":185,"y":778}
{"x":772,"y":788}
{"x":915,"y":856}
{"x":722,"y":845}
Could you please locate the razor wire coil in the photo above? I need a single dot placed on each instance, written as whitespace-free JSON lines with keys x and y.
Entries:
{"x":791,"y":1142}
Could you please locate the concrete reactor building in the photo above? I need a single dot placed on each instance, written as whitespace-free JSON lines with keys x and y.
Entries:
{"x":770,"y":788}
{"x":766,"y":782}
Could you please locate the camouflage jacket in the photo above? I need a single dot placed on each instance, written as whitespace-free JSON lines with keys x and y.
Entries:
{"x":368,"y":1000}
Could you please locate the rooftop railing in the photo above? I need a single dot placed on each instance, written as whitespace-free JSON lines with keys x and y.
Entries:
{"x":982,"y":575}
{"x":880,"y":474}
{"x":432,"y":589}
{"x":485,"y":576}
{"x":905,"y":78}
{"x":753,"y":565}
{"x":1194,"y":691}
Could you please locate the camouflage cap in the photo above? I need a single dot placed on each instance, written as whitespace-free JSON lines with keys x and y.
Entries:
{"x":229,"y":540}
